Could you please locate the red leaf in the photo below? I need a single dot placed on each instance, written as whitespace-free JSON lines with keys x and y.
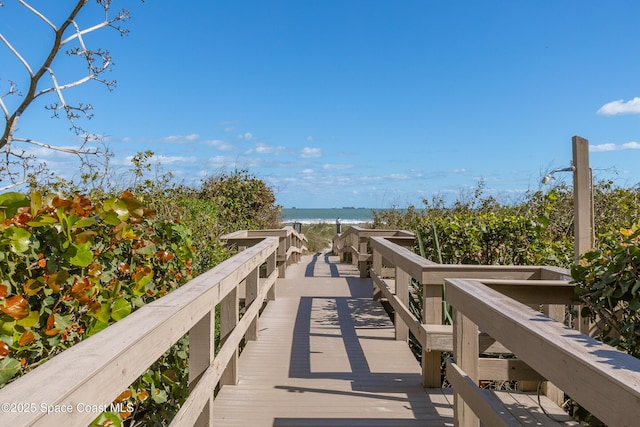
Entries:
{"x":26,"y":338}
{"x":51,"y":321}
{"x":16,"y":307}
{"x":4,"y":349}
{"x":3,"y":291}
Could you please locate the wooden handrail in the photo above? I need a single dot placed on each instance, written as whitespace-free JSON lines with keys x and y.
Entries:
{"x":602,"y":379}
{"x":393,"y":267}
{"x":292,"y":244}
{"x":353,"y":245}
{"x":96,"y":370}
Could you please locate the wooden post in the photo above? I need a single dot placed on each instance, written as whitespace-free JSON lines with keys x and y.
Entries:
{"x":402,"y":294}
{"x":363,"y":266}
{"x":431,"y":315}
{"x":582,"y":212}
{"x":201,"y":355}
{"x":252,"y":283}
{"x":229,"y":315}
{"x":582,"y":197}
{"x":377,"y":267}
{"x":556,"y":312}
{"x":465,"y":353}
{"x":282,"y":252}
{"x":271,"y":266}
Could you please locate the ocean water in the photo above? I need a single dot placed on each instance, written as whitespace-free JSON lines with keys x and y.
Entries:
{"x":317,"y":216}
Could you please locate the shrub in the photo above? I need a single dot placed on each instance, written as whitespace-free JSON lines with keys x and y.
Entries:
{"x":608,"y":285}
{"x":69,"y":267}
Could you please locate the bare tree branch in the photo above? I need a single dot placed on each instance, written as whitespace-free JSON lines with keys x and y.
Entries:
{"x":38,"y":14}
{"x":97,"y":62}
{"x":15,"y":52}
{"x":79,"y":151}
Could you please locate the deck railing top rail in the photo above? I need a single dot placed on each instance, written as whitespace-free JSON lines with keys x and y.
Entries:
{"x":95,"y":371}
{"x":292,"y":244}
{"x":428,"y":272}
{"x":394,"y":266}
{"x":602,"y":379}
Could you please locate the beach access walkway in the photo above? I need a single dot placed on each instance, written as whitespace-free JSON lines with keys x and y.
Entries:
{"x":326,"y":356}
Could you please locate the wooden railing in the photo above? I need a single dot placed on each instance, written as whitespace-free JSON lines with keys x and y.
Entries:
{"x":354,"y":245}
{"x":67,"y":389}
{"x":290,"y":248}
{"x":600,"y":378}
{"x":394,"y":267}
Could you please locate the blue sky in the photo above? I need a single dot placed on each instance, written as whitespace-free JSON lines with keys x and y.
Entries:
{"x":365,"y":103}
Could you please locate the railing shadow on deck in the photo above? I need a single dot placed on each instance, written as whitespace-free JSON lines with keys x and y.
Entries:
{"x":348,"y":315}
{"x":95,"y":371}
{"x":383,"y":255}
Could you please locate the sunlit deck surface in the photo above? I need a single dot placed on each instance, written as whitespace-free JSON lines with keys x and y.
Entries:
{"x":326,"y":356}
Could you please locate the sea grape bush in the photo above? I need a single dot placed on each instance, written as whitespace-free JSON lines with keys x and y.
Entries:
{"x":608,"y":285}
{"x":477,"y":229}
{"x":70,"y":266}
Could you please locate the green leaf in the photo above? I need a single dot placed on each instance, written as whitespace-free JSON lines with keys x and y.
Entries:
{"x":110,"y":218}
{"x":118,"y":206}
{"x":36,"y":202}
{"x":120,"y":309}
{"x":30,"y":320}
{"x":158,"y":396}
{"x":62,"y":322}
{"x":10,"y":203}
{"x":6,"y":328}
{"x":80,"y":255}
{"x":19,"y":239}
{"x":8,"y":368}
{"x":552,"y":196}
{"x":141,"y":278}
{"x":84,"y":222}
{"x":107,"y":419}
{"x":42,"y":221}
{"x":104,"y":314}
{"x":96,"y":327}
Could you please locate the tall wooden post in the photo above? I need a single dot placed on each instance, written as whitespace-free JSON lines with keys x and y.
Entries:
{"x":582,"y":197}
{"x":583,"y":215}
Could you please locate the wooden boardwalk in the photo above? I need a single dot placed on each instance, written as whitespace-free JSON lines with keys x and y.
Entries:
{"x":326,"y":356}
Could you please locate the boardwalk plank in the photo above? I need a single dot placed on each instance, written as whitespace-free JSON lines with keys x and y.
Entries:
{"x":326,"y":356}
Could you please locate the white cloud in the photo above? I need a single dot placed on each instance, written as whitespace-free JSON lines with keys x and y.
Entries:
{"x":168,"y":160}
{"x":221,"y":161}
{"x":219,"y":144}
{"x":245,"y":136}
{"x":310,"y":138}
{"x":336,"y":167}
{"x":620,"y":107}
{"x":262,"y":148}
{"x":614,"y":147}
{"x":398,"y":176}
{"x":228,"y":126}
{"x":308,"y":152}
{"x":181,"y":139}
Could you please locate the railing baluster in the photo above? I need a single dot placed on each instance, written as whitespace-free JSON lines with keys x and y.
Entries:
{"x":402,"y":294}
{"x":377,"y":268}
{"x":271,"y":266}
{"x":229,"y":314}
{"x":431,"y":315}
{"x":465,"y":353}
{"x":251,"y":294}
{"x":201,"y":356}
